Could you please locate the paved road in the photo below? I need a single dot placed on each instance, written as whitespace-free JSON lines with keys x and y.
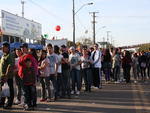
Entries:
{"x":112,"y":98}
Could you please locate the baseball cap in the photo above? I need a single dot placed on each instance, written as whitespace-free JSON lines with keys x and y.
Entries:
{"x":72,"y":48}
{"x":6,"y":44}
{"x":63,"y":46}
{"x":24,"y":45}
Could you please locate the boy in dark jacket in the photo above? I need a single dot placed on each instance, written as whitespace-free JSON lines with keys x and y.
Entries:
{"x":29,"y":79}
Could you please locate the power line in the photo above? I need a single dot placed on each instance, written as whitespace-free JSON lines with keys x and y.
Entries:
{"x":46,"y":10}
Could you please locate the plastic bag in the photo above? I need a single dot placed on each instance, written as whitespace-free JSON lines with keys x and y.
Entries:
{"x":5,"y":90}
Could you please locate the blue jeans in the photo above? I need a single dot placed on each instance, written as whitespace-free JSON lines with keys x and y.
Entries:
{"x":76,"y":78}
{"x":87,"y":78}
{"x":116,"y":72}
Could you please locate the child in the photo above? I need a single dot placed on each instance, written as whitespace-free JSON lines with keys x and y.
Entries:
{"x":44,"y":76}
{"x":29,"y":78}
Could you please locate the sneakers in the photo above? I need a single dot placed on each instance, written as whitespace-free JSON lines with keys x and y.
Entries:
{"x":72,"y":92}
{"x":135,"y":81}
{"x":42,"y":100}
{"x":117,"y":82}
{"x":78,"y":92}
{"x":17,"y":102}
{"x":7,"y":107}
{"x":48,"y":100}
{"x":27,"y":108}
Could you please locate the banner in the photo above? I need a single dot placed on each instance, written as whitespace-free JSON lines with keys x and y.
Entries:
{"x":18,"y":26}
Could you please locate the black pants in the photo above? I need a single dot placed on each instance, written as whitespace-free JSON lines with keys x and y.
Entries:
{"x":19,"y":87}
{"x":143,"y":73}
{"x":96,"y":77}
{"x":148,"y":70}
{"x":66,"y":82}
{"x":30,"y":95}
{"x":11,"y":98}
{"x":126,"y":72}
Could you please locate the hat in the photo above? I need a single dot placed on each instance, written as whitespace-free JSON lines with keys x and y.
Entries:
{"x":72,"y":48}
{"x":6,"y":44}
{"x":24,"y":45}
{"x":63,"y":46}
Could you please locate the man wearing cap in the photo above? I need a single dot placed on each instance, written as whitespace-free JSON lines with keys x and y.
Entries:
{"x":66,"y":71}
{"x":6,"y":74}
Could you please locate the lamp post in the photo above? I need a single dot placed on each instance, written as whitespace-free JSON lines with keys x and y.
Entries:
{"x":74,"y":13}
{"x":108,"y":38}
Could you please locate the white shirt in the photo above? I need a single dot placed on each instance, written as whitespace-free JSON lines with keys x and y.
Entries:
{"x":45,"y":72}
{"x":74,"y":59}
{"x":53,"y":61}
{"x":59,"y":63}
{"x":97,"y":59}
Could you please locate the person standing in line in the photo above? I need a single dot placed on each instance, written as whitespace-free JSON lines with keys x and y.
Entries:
{"x":126,"y":65}
{"x":6,"y":74}
{"x":143,"y":64}
{"x":60,"y":85}
{"x":75,"y":61}
{"x":44,"y":76}
{"x":66,"y":72}
{"x":85,"y":65}
{"x":148,"y":64}
{"x":135,"y":64}
{"x":17,"y":78}
{"x":53,"y":59}
{"x":116,"y":63}
{"x":107,"y":64}
{"x":96,"y":71}
{"x":29,"y":82}
{"x":22,"y":66}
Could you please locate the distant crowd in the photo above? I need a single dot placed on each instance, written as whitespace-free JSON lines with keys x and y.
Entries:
{"x":63,"y":72}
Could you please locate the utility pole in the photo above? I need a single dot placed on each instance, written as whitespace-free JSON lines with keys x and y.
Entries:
{"x":22,"y":2}
{"x":93,"y":22}
{"x":73,"y":12}
{"x":108,"y":38}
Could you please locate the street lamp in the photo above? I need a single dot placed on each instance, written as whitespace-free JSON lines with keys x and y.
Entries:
{"x":100,"y":29}
{"x":74,"y":13}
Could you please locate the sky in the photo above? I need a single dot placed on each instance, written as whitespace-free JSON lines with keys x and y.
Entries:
{"x":127,"y":20}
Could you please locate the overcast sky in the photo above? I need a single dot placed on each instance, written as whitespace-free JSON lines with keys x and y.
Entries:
{"x":128,"y":20}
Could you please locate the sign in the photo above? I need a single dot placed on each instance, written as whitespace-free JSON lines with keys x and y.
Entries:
{"x":57,"y":42}
{"x":21,"y":27}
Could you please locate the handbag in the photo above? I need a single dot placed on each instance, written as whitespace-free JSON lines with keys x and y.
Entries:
{"x":5,"y":90}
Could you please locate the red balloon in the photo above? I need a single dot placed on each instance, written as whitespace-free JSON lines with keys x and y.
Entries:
{"x":58,"y":28}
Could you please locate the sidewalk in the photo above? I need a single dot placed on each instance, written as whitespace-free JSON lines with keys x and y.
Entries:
{"x":113,"y":98}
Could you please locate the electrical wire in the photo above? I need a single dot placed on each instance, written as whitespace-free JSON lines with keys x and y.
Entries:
{"x":46,"y":11}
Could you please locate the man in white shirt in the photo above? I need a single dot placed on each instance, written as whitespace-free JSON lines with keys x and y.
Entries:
{"x":74,"y":59}
{"x":53,"y":68}
{"x":96,"y":57}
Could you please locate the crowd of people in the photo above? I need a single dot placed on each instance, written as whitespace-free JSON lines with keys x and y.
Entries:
{"x":63,"y":72}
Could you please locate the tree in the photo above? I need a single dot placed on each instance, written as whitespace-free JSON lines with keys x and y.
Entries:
{"x":70,"y":43}
{"x":145,"y":47}
{"x":85,"y":41}
{"x":78,"y":44}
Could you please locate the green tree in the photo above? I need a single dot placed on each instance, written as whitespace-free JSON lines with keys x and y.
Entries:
{"x":70,"y":43}
{"x":145,"y":47}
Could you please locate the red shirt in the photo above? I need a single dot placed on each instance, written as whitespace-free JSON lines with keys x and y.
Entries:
{"x":22,"y":66}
